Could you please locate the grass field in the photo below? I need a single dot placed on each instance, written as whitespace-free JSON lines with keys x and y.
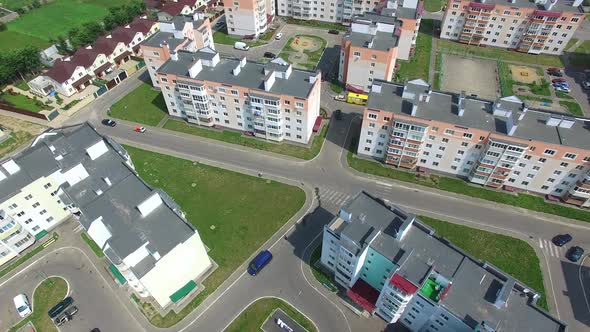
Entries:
{"x":93,"y":246}
{"x":251,"y":319}
{"x":572,"y":107}
{"x":514,"y":256}
{"x":458,"y":186}
{"x":253,"y":210}
{"x":46,"y":295}
{"x":221,"y":37}
{"x":16,"y":140}
{"x":419,"y":63}
{"x":143,"y":105}
{"x":318,"y":273}
{"x":12,"y":39}
{"x":22,"y":102}
{"x":434,"y":5}
{"x":581,"y":56}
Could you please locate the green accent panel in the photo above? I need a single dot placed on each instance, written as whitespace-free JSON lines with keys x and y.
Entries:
{"x":117,"y":274}
{"x":179,"y":294}
{"x":40,"y":235}
{"x":375,"y":267}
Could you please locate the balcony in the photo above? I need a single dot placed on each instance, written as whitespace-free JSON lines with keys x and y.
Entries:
{"x":570,"y":199}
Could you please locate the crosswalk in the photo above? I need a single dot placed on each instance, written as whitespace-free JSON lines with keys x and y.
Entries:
{"x":333,"y":197}
{"x":551,"y":249}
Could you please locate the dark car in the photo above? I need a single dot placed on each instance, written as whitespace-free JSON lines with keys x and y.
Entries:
{"x":71,"y":310}
{"x":558,"y":80}
{"x":333,"y":32}
{"x":260,"y":261}
{"x":338,"y":114}
{"x":62,"y":319}
{"x":109,"y":122}
{"x":95,"y":330}
{"x":269,"y":55}
{"x":58,"y":308}
{"x":554,"y":72}
{"x":574,"y":254}
{"x":561,"y":239}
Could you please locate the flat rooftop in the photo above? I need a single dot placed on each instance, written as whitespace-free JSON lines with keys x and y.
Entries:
{"x":565,"y":6}
{"x":159,"y":38}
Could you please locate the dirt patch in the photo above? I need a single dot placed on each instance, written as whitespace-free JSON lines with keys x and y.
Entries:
{"x":474,"y":76}
{"x":524,"y":74}
{"x":303,"y":43}
{"x":21,"y":125}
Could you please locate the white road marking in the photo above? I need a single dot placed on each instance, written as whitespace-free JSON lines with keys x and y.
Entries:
{"x":540,"y":243}
{"x":384,"y":184}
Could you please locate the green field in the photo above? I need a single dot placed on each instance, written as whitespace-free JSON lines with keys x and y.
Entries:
{"x":16,"y":140}
{"x":251,"y":319}
{"x":419,"y":63}
{"x":46,"y":295}
{"x":12,"y":39}
{"x":221,"y":37}
{"x":513,"y":256}
{"x":234,"y":213}
{"x":143,"y":105}
{"x":23,"y":102}
{"x":434,"y":5}
{"x":572,"y":107}
{"x":581,"y":56}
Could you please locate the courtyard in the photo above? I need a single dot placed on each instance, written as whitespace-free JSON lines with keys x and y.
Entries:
{"x":304,"y":51}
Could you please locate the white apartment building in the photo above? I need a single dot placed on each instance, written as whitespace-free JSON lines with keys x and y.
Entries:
{"x":540,"y":26}
{"x":500,"y":144}
{"x":75,"y":172}
{"x":14,"y":238}
{"x":248,"y":17}
{"x":272,"y":100}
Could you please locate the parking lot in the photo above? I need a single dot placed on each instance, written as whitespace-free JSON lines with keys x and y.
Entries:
{"x":475,"y":76}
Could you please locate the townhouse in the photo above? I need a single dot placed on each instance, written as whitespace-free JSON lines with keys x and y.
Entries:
{"x":272,"y":100}
{"x":537,"y":27}
{"x":394,"y":266}
{"x":74,"y":172}
{"x":248,"y":17}
{"x":499,"y":144}
{"x":66,"y":77}
{"x":181,"y":32}
{"x":172,"y":8}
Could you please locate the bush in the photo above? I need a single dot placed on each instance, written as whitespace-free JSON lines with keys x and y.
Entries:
{"x":2,"y":26}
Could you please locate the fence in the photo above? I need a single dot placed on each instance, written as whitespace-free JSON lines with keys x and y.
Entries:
{"x":10,"y":108}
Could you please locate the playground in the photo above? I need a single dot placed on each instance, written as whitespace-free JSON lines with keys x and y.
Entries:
{"x":304,"y":51}
{"x":524,"y":74}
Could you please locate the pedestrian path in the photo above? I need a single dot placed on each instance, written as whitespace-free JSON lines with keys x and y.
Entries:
{"x":333,"y":197}
{"x":551,"y":249}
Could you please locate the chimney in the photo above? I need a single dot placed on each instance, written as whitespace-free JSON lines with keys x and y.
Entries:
{"x":414,"y":109}
{"x":312,"y":79}
{"x":376,"y":88}
{"x":461,"y":104}
{"x":549,"y":4}
{"x":237,"y":70}
{"x":243,"y":62}
{"x":174,"y":56}
{"x":269,"y":81}
{"x":553,"y":121}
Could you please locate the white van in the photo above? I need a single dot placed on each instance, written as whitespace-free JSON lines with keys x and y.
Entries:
{"x":21,"y":303}
{"x":241,"y":46}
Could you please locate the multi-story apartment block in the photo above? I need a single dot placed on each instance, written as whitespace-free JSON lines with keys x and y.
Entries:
{"x":181,"y":32}
{"x":500,"y":144}
{"x":14,"y":238}
{"x":272,"y":100}
{"x":248,"y":17}
{"x":74,"y":172}
{"x":409,"y":15}
{"x":540,"y":26}
{"x":394,"y":266}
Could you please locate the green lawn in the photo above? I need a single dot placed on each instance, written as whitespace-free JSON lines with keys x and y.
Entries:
{"x":454,"y":47}
{"x":419,"y":63}
{"x":15,"y":263}
{"x":581,"y":56}
{"x":563,"y":95}
{"x":513,"y":256}
{"x":317,"y":24}
{"x":438,"y":73}
{"x":46,"y":295}
{"x":540,"y":99}
{"x":507,"y":83}
{"x":12,"y":39}
{"x":221,"y":37}
{"x":570,"y":44}
{"x":16,"y":140}
{"x":22,"y":85}
{"x":93,"y":246}
{"x":458,"y":186}
{"x":434,"y":5}
{"x":22,"y":102}
{"x":297,"y":151}
{"x":251,"y":319}
{"x":336,"y":87}
{"x":572,"y":107}
{"x":318,"y":273}
{"x":143,"y":105}
{"x":253,"y":210}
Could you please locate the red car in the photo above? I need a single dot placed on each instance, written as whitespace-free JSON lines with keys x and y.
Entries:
{"x":558,"y":80}
{"x":139,"y":129}
{"x":553,"y":69}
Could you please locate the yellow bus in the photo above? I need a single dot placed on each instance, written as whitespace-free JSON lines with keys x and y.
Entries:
{"x":356,"y":98}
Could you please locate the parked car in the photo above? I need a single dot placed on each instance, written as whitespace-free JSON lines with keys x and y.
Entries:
{"x":340,"y":97}
{"x":139,"y":129}
{"x":62,"y":319}
{"x":561,"y":239}
{"x":338,"y":114}
{"x":269,"y":55}
{"x":562,"y":89}
{"x":555,"y":73}
{"x":333,"y":32}
{"x":58,"y":308}
{"x":558,"y":80}
{"x":553,"y":69}
{"x":22,"y":305}
{"x":586,"y":85}
{"x":260,"y":261}
{"x":241,"y":46}
{"x":574,"y":254}
{"x":109,"y":122}
{"x":71,"y":310}
{"x":561,"y":85}
{"x":95,"y":330}
{"x":278,"y":36}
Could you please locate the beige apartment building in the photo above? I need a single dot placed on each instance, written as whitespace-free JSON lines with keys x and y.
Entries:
{"x":14,"y":238}
{"x":272,"y":100}
{"x":540,"y":26}
{"x":248,"y":17}
{"x":500,"y":144}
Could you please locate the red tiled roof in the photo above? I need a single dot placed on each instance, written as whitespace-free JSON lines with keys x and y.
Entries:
{"x":61,"y":70}
{"x":547,"y":13}
{"x":85,"y":57}
{"x":105,"y":45}
{"x":122,"y":34}
{"x":142,"y":25}
{"x":175,"y":7}
{"x":364,"y":295}
{"x":403,"y":284}
{"x":481,"y":5}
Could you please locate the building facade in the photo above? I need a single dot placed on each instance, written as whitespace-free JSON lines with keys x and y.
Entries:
{"x":537,"y":27}
{"x":74,"y":172}
{"x":181,"y":32}
{"x":394,"y":266}
{"x":248,"y":17}
{"x":499,"y":144}
{"x":271,"y":101}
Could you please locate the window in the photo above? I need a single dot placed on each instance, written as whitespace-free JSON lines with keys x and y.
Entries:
{"x":544,"y":187}
{"x":357,"y":54}
{"x":467,"y":135}
{"x":464,"y":144}
{"x":372,"y":116}
{"x":43,"y":212}
{"x":50,"y":219}
{"x":564,"y":164}
{"x":36,"y":205}
{"x":549,"y":152}
{"x":557,"y":172}
{"x":449,"y":132}
{"x":29,"y":196}
{"x":542,"y":160}
{"x":48,"y":185}
{"x":570,"y":156}
{"x":445,"y":140}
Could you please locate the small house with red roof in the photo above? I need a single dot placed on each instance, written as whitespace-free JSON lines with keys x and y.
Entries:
{"x":68,"y":77}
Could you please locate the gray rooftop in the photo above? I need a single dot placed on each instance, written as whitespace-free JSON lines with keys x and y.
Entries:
{"x":559,"y":5}
{"x":381,"y":41}
{"x":160,"y":37}
{"x":251,"y":75}
{"x":478,"y":113}
{"x":180,"y":20}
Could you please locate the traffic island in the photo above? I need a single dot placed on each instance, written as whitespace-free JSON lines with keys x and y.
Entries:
{"x":264,"y":314}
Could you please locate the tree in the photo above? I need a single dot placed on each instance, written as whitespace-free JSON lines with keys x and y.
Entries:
{"x":2,"y":26}
{"x":62,"y":45}
{"x":35,"y":3}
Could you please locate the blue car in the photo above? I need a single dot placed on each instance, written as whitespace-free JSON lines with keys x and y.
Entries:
{"x":260,"y":261}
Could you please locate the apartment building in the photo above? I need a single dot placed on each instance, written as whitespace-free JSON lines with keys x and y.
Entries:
{"x":500,"y":144}
{"x":74,"y":172}
{"x":272,"y":100}
{"x":248,"y":17}
{"x":13,"y":238}
{"x":537,"y":27}
{"x":394,"y":266}
{"x":181,"y":32}
{"x":409,"y":15}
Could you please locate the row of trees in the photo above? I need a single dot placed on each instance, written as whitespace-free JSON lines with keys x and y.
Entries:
{"x":18,"y":63}
{"x":34,"y":4}
{"x":89,"y":32}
